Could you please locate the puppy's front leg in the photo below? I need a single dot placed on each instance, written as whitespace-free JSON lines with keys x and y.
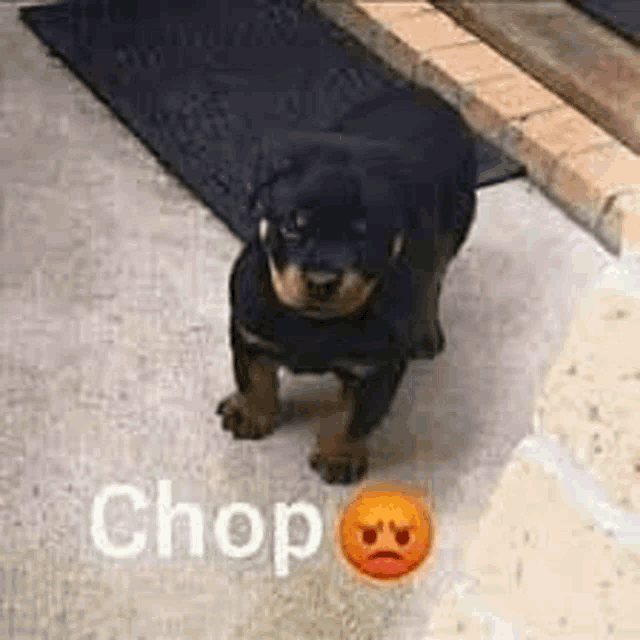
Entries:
{"x":253,"y":410}
{"x":340,"y":455}
{"x":337,"y":456}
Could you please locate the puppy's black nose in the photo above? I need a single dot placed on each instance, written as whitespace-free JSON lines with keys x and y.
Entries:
{"x":322,"y":284}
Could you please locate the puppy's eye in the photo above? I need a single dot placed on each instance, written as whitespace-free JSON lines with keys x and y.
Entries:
{"x":359,"y":226}
{"x":290,"y":235}
{"x":302,"y":218}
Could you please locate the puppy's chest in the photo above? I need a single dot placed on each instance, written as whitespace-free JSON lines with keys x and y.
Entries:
{"x":289,"y":336}
{"x":305,"y":356}
{"x":304,"y":344}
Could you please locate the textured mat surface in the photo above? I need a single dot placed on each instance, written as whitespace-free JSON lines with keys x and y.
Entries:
{"x":200,"y":82}
{"x":621,"y":15}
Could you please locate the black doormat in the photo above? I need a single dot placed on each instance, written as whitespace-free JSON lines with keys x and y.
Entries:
{"x":199,"y":82}
{"x":623,"y":16}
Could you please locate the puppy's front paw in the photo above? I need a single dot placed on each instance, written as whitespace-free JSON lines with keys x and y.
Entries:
{"x":342,"y":467}
{"x":245,"y":419}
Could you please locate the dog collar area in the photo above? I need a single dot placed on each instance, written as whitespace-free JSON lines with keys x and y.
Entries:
{"x":354,"y":369}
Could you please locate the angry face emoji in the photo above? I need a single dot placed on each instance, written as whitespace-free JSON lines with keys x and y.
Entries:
{"x":386,"y":534}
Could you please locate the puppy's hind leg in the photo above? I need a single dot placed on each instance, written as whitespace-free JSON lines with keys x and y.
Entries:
{"x":429,"y":260}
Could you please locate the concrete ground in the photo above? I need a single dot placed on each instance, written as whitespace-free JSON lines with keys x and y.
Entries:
{"x":114,"y":350}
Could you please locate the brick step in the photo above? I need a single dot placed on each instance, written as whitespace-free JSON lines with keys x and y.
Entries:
{"x":591,"y":173}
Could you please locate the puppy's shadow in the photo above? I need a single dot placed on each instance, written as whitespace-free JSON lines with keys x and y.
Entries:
{"x":416,"y":425}
{"x":306,"y":399}
{"x":413,"y":422}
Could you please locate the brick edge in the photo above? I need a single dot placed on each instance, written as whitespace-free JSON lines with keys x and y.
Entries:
{"x":607,"y":209}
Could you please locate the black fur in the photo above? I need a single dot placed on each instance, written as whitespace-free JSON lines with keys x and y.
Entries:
{"x":424,"y":188}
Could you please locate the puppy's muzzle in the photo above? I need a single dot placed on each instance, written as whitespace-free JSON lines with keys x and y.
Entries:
{"x":321,"y":285}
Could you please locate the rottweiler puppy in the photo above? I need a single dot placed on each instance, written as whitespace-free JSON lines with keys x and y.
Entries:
{"x":344,"y":275}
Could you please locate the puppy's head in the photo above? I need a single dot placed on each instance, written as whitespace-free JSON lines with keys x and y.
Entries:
{"x":326,"y":246}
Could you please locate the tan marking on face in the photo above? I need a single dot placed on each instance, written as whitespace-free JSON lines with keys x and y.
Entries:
{"x":398,"y":244}
{"x":288,"y":284}
{"x":290,"y":287}
{"x":264,"y":229}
